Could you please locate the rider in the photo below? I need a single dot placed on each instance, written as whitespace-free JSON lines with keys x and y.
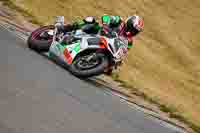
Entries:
{"x":111,"y":25}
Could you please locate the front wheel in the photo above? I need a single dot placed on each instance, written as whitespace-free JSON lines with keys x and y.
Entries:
{"x":82,"y":67}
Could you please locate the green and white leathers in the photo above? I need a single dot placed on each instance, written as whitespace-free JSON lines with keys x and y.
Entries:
{"x":109,"y":24}
{"x":80,"y":24}
{"x":111,"y":20}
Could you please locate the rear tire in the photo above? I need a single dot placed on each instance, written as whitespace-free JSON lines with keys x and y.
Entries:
{"x":35,"y":43}
{"x":99,"y":69}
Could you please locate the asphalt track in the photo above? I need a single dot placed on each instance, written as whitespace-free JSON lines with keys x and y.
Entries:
{"x":38,"y":96}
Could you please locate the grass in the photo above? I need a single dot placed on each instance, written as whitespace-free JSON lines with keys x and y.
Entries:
{"x":164,"y":64}
{"x":24,"y":12}
{"x":169,"y":109}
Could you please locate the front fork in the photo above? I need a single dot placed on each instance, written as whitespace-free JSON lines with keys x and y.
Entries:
{"x":113,"y":66}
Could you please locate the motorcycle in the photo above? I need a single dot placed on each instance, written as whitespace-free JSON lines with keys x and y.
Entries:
{"x":86,"y":55}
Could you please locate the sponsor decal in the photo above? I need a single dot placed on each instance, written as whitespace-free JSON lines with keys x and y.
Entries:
{"x":68,"y":56}
{"x":67,"y":51}
{"x":77,"y":48}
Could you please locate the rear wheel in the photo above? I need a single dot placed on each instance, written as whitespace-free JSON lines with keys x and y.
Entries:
{"x":89,"y":65}
{"x":40,"y":39}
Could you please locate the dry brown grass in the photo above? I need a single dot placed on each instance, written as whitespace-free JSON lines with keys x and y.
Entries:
{"x":165,"y":62}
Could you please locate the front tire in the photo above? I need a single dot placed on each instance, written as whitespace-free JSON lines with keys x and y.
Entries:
{"x":93,"y":71}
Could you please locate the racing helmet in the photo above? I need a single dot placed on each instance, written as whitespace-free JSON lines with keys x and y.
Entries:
{"x":134,"y":25}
